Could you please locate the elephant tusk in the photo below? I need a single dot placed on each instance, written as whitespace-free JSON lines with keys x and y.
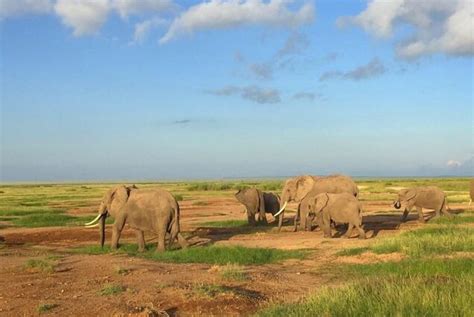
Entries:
{"x":92,"y":226}
{"x":281,"y":210}
{"x":94,"y":221}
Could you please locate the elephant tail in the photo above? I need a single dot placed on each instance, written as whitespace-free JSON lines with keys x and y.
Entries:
{"x":174,"y":219}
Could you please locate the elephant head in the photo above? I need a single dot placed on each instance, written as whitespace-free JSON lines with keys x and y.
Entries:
{"x":111,"y":203}
{"x":316,"y":206}
{"x":404,"y":195}
{"x":295,"y":189}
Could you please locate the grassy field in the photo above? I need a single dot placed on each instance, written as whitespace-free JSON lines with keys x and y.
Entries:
{"x":42,"y":205}
{"x":427,"y":270}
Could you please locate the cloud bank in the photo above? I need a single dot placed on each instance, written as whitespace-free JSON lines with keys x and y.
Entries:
{"x":224,"y":14}
{"x":434,"y":26}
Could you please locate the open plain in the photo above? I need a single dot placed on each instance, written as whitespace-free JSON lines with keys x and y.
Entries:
{"x":51,"y":264}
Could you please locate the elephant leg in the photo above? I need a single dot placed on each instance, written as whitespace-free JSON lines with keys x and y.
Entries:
{"x":327,"y":226}
{"x":445,"y":211}
{"x":116,"y":231}
{"x":160,"y":247}
{"x":421,"y":218}
{"x":140,"y":240}
{"x":361,"y":232}
{"x":406,"y":212}
{"x":348,"y":233}
{"x":295,"y":221}
{"x":251,"y":217}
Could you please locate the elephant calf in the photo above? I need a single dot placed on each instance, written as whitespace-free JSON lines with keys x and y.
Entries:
{"x":153,"y":210}
{"x":430,"y":197}
{"x":258,"y":203}
{"x":340,"y":208}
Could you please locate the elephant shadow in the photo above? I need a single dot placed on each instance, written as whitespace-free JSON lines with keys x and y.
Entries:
{"x":207,"y":235}
{"x":384,"y":221}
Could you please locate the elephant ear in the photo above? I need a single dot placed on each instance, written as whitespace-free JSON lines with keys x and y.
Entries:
{"x":321,"y":202}
{"x":304,"y":184}
{"x":118,"y":198}
{"x":410,"y":194}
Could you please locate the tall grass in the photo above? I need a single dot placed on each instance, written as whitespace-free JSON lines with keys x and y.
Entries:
{"x":387,"y":297}
{"x":423,"y":242}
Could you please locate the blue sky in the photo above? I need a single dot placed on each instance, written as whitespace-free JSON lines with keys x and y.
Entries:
{"x":127,"y":89}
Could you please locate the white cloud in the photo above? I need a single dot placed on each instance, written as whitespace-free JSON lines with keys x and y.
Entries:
{"x":87,"y":16}
{"x":438,"y":26}
{"x":220,"y":14}
{"x":9,"y":8}
{"x":84,"y":16}
{"x":131,"y":7}
{"x":142,"y":29}
{"x":453,"y":163}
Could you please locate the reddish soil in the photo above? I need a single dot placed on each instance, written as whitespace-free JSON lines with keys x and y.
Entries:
{"x":161,"y":289}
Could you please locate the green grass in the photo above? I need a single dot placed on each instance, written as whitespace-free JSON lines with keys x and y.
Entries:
{"x":377,"y":296}
{"x":454,"y":220}
{"x":422,"y":242}
{"x":461,"y":267}
{"x":111,"y":289}
{"x":178,"y":197}
{"x":220,"y":255}
{"x":226,"y":224}
{"x":45,"y":220}
{"x":233,"y":272}
{"x":43,"y":308}
{"x":412,"y":287}
{"x":40,"y":265}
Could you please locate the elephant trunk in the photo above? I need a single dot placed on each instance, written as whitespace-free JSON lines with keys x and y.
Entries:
{"x":102,"y":231}
{"x":397,"y":204}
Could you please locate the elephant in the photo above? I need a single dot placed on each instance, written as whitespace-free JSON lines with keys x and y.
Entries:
{"x":430,"y":197}
{"x":154,"y":210}
{"x":340,"y":208}
{"x":258,"y":203}
{"x":297,"y":188}
{"x":471,"y":191}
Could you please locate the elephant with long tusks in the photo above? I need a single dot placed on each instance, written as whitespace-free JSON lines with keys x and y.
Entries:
{"x":152,"y":210}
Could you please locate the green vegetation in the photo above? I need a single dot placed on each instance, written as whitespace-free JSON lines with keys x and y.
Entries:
{"x":233,"y":272}
{"x":43,"y":308}
{"x":212,"y":254}
{"x":376,"y":296}
{"x":45,"y":266}
{"x":454,"y":220}
{"x":111,"y":289}
{"x":226,"y":224}
{"x":178,"y":197}
{"x":422,"y":242}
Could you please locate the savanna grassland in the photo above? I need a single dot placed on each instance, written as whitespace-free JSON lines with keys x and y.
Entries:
{"x":52,"y":265}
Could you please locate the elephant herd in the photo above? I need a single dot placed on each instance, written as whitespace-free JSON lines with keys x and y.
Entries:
{"x":322,"y":201}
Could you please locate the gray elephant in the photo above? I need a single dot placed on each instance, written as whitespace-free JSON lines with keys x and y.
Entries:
{"x":297,"y":188}
{"x":258,"y":203}
{"x":154,"y":210}
{"x":340,"y":208}
{"x":430,"y":197}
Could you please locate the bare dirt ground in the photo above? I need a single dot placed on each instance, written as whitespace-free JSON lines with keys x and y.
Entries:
{"x":162,"y":289}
